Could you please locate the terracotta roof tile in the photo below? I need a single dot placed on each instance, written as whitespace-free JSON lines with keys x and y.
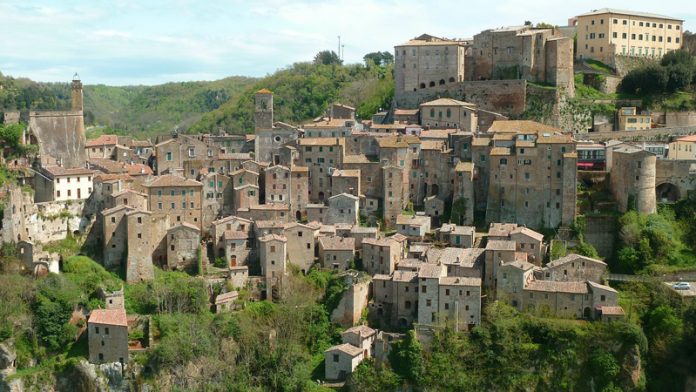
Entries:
{"x":108,"y":317}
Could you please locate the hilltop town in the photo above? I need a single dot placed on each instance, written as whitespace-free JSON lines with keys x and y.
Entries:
{"x":428,"y":226}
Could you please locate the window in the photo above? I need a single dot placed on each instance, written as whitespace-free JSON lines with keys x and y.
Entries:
{"x":106,"y":330}
{"x":428,"y":302}
{"x":169,"y":156}
{"x":423,"y":289}
{"x":335,"y":357}
{"x":96,"y":329}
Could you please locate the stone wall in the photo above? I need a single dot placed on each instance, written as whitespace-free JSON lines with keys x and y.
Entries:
{"x":60,"y":136}
{"x":601,"y":233}
{"x":680,"y":119}
{"x":44,"y":222}
{"x":505,"y":96}
{"x":350,"y":308}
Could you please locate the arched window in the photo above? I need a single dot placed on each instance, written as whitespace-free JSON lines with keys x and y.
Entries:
{"x":432,"y":84}
{"x":422,"y":85}
{"x":451,"y":80}
{"x":442,"y":81}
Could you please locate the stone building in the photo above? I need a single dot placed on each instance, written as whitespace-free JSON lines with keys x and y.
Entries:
{"x":146,"y":242}
{"x":61,"y":183}
{"x":183,"y":246}
{"x":270,"y":137}
{"x":288,"y":186}
{"x":395,"y":200}
{"x":450,"y":114}
{"x":380,"y":256}
{"x":301,"y":244}
{"x":115,"y":234}
{"x":360,"y":336}
{"x":101,"y":147}
{"x":574,"y":268}
{"x":606,"y":33}
{"x":532,"y":179}
{"x":336,"y":253}
{"x":346,"y":181}
{"x":128,"y":197}
{"x":237,"y":249}
{"x":107,"y":331}
{"x":464,"y":190}
{"x":458,"y":236}
{"x":329,"y":127}
{"x":273,"y":257}
{"x":529,"y":242}
{"x":245,"y":197}
{"x":427,"y":61}
{"x":229,"y":223}
{"x":216,"y":197}
{"x":343,"y":208}
{"x":177,"y":197}
{"x":523,"y":52}
{"x":413,"y":226}
{"x":321,"y":156}
{"x":632,"y":179}
{"x":341,"y":360}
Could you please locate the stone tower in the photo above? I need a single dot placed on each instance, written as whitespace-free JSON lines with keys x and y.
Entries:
{"x":76,"y":93}
{"x":263,"y":110}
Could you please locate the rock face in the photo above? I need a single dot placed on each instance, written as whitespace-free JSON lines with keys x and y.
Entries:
{"x":8,"y":358}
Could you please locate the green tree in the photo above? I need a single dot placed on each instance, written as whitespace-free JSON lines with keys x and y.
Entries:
{"x":406,"y":358}
{"x":379,"y":58}
{"x":372,"y":377}
{"x":327,"y":57}
{"x":11,"y":134}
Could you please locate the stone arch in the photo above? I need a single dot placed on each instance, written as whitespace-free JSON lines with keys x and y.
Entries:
{"x":432,"y":84}
{"x":321,"y":196}
{"x":403,"y":323}
{"x":298,"y":215}
{"x":442,"y":81}
{"x":451,"y":80}
{"x":667,"y":193}
{"x":434,"y":190}
{"x":422,"y":85}
{"x":587,"y":313}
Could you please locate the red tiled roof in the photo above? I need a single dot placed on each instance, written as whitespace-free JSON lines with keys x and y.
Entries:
{"x":108,"y":317}
{"x":108,"y":140}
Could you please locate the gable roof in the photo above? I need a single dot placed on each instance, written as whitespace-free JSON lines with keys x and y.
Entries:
{"x":172,"y":180}
{"x":337,"y":243}
{"x":346,"y":349}
{"x":103,"y":140}
{"x":108,"y":317}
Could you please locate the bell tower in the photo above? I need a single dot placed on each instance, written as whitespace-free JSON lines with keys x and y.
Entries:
{"x":77,"y":93}
{"x":263,"y":109}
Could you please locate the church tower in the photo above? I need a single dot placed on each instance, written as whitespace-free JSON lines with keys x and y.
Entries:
{"x":77,"y":93}
{"x":263,"y":110}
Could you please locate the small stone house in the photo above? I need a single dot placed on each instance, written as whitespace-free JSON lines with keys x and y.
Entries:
{"x":362,"y":337}
{"x":341,"y":360}
{"x":336,"y":252}
{"x":107,"y":331}
{"x":574,"y":267}
{"x":458,"y":236}
{"x":413,"y":226}
{"x":343,"y":208}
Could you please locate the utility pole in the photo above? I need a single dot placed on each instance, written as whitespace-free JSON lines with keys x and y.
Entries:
{"x":343,"y":50}
{"x":339,"y":47}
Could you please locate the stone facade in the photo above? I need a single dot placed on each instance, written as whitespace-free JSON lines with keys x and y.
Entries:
{"x":183,"y":245}
{"x":632,"y":179}
{"x":177,"y":197}
{"x":532,"y":179}
{"x":107,"y":331}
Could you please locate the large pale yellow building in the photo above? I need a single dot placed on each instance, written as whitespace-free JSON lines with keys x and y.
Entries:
{"x":683,"y":148}
{"x":605,"y":33}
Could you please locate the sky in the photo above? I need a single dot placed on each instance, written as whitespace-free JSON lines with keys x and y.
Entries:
{"x":129,"y":42}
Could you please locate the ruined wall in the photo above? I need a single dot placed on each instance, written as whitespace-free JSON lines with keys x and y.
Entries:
{"x":44,"y":222}
{"x":559,"y":64}
{"x":60,"y":136}
{"x":349,"y":310}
